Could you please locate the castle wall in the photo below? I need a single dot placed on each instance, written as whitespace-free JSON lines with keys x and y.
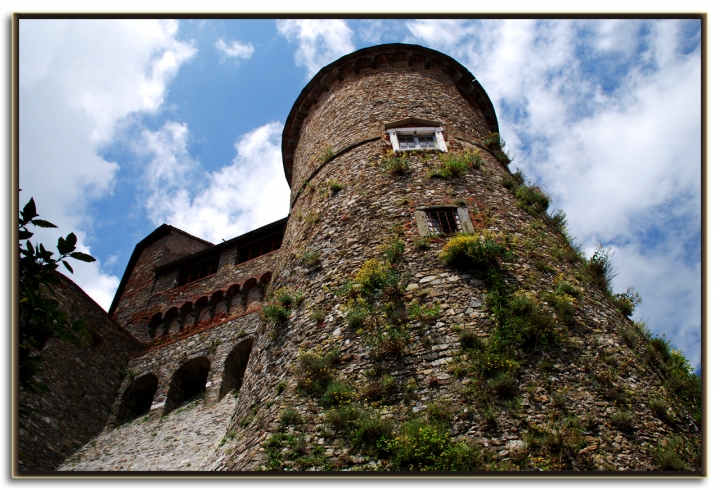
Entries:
{"x":82,"y":382}
{"x":135,"y":296}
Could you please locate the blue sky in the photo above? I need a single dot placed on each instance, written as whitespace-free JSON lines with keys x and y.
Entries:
{"x":125,"y":125}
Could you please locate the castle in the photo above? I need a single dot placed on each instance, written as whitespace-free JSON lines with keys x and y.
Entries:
{"x":416,"y":284}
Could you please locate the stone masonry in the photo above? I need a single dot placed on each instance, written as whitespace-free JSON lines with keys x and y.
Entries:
{"x":215,"y":379}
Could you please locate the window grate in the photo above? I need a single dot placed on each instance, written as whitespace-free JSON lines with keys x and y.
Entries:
{"x":261,"y":247}
{"x":197,"y":271}
{"x":411,"y":142}
{"x":444,"y":221}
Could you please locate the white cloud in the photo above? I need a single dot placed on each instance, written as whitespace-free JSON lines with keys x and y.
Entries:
{"x":78,"y":80}
{"x":320,"y":41}
{"x":239,"y":197}
{"x":235,"y":50}
{"x":606,"y":115}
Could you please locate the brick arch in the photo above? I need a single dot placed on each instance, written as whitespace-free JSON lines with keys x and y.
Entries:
{"x":265,"y":282}
{"x":153,"y":324}
{"x":235,"y":364}
{"x":215,"y":299}
{"x":187,"y":383}
{"x":137,"y":398}
{"x":253,"y":293}
{"x":200,"y":309}
{"x":169,"y":320}
{"x":234,"y":300}
{"x":183,"y":313}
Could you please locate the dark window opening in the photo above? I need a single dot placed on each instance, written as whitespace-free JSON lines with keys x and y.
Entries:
{"x":199,"y":270}
{"x":137,"y":398}
{"x":260,"y":247}
{"x":444,"y":221}
{"x":235,"y":365}
{"x":188,"y":383}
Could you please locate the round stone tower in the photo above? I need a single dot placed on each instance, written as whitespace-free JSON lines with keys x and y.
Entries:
{"x":423,"y":292}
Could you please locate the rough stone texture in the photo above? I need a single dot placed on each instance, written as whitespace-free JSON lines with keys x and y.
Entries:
{"x":345,"y":228}
{"x":83,"y":383}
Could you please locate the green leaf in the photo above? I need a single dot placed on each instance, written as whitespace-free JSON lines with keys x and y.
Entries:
{"x":30,"y":249}
{"x":29,"y":211}
{"x":42,"y":223}
{"x":71,"y":240}
{"x":63,"y":246}
{"x":24,"y":234}
{"x":82,"y":256}
{"x":67,"y":266}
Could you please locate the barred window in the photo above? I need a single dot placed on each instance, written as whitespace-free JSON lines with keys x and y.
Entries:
{"x":260,"y":247}
{"x":444,"y":221}
{"x":198,"y":270}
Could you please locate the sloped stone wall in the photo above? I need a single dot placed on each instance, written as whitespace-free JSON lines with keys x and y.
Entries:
{"x":82,"y":381}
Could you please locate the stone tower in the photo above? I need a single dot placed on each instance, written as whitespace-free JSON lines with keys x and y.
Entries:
{"x":505,"y":340}
{"x":417,"y":310}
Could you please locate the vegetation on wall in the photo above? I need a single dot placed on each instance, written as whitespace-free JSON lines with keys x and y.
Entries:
{"x":40,"y":316}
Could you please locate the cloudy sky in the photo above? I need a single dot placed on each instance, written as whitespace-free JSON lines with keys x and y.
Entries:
{"x":125,"y":125}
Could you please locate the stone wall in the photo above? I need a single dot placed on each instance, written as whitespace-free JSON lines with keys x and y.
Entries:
{"x":82,"y":381}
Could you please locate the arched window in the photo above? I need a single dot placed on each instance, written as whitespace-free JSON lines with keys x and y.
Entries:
{"x":235,"y":365}
{"x":137,"y":398}
{"x":187,"y":383}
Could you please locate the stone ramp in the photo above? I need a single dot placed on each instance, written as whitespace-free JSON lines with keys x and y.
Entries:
{"x":181,"y":441}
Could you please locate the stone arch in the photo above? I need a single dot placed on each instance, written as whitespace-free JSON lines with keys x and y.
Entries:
{"x":187,"y":383}
{"x":264,"y":283}
{"x":253,"y":293}
{"x":232,"y":296}
{"x":183,"y":313}
{"x":138,"y":398}
{"x":215,"y":300}
{"x":235,"y":365}
{"x":168,"y":321}
{"x":200,"y":309}
{"x":153,"y":324}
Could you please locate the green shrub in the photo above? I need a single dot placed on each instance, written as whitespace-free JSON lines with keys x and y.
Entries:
{"x":660,"y":408}
{"x":668,"y":455}
{"x":337,"y":394}
{"x":317,"y":314}
{"x":392,"y":250}
{"x":355,"y":317}
{"x":627,"y":302}
{"x":601,"y":270}
{"x":395,"y":163}
{"x":280,"y":387}
{"x":344,"y":417}
{"x":567,"y":288}
{"x":326,"y":154}
{"x":289,"y":417}
{"x":496,"y":145}
{"x":374,"y":277}
{"x":309,"y":258}
{"x":622,"y":420}
{"x":472,"y":250}
{"x":456,"y":164}
{"x":531,"y":199}
{"x":425,"y":314}
{"x":372,"y":432}
{"x":469,"y":339}
{"x":559,"y":220}
{"x":275,"y":313}
{"x":314,"y":371}
{"x":503,"y":385}
{"x":421,"y":243}
{"x":419,"y":446}
{"x":334,"y":185}
{"x":390,"y":340}
{"x":287,"y":297}
{"x":380,"y":389}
